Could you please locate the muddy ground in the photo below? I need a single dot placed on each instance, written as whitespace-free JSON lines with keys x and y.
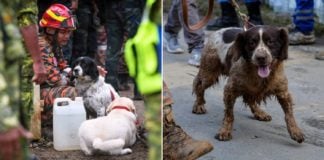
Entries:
{"x":44,"y":150}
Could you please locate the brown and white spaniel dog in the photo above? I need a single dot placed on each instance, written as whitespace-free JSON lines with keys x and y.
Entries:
{"x":253,"y":62}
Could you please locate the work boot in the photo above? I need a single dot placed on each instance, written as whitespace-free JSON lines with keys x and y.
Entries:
{"x":254,"y":13}
{"x":297,"y":37}
{"x":172,"y":45}
{"x":228,"y":18}
{"x":177,"y":144}
{"x":194,"y":60}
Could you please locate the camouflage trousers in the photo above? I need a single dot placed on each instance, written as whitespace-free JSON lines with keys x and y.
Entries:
{"x":153,"y":124}
{"x":49,"y":95}
{"x":26,"y":91}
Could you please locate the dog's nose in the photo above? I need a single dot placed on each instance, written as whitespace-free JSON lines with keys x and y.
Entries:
{"x":261,"y":59}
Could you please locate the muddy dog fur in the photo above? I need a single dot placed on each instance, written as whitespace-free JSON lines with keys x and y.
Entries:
{"x":253,"y":62}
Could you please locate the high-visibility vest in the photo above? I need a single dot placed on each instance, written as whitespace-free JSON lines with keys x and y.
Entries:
{"x":142,"y":58}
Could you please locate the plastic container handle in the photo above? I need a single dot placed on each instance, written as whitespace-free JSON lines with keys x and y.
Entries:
{"x":63,"y":99}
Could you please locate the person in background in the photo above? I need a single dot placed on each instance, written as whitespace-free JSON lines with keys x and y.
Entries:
{"x":13,"y":144}
{"x":195,"y":40}
{"x":229,"y":17}
{"x":100,"y":57}
{"x":73,"y":6}
{"x":302,"y":31}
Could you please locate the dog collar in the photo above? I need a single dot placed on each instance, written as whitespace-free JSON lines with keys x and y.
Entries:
{"x":121,"y":107}
{"x":125,"y":108}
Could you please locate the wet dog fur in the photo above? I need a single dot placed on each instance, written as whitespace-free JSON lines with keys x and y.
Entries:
{"x":253,"y":62}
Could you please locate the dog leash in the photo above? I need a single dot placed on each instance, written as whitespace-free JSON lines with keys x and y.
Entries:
{"x":244,"y":19}
{"x":201,"y":23}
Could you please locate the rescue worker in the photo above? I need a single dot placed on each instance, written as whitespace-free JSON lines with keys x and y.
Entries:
{"x":85,"y":37}
{"x":195,"y":40}
{"x":58,"y":25}
{"x":143,"y":59}
{"x":121,"y":17}
{"x":13,"y":144}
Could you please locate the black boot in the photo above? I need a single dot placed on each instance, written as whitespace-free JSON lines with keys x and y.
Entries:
{"x":228,"y":18}
{"x":254,"y":13}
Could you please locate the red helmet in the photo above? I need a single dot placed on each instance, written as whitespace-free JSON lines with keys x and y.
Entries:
{"x":57,"y":16}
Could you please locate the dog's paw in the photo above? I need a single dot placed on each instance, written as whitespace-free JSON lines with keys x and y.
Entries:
{"x":126,"y":151}
{"x":262,"y":116}
{"x":298,"y":136}
{"x":224,"y":135}
{"x":88,"y":153}
{"x":199,"y":109}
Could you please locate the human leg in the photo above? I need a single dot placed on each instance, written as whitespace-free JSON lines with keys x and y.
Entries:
{"x":304,"y":23}
{"x":172,"y":28}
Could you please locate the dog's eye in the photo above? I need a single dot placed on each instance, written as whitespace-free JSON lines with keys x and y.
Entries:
{"x":252,"y":43}
{"x":270,"y":42}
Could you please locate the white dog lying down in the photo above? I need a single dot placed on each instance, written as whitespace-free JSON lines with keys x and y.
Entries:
{"x":111,"y":133}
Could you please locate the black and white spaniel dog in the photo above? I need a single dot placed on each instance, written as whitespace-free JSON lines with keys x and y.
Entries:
{"x":97,"y":94}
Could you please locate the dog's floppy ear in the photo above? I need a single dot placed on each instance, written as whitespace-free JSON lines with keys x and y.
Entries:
{"x":111,"y":105}
{"x":74,"y":63}
{"x":91,"y":69}
{"x":284,"y":42}
{"x":238,"y":46}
